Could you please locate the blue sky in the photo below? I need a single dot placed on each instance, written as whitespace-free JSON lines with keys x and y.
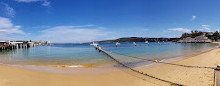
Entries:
{"x":75,"y":21}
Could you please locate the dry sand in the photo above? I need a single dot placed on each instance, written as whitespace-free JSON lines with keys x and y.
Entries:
{"x":189,"y":76}
{"x":12,"y":76}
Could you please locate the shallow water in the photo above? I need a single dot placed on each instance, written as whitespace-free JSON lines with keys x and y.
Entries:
{"x":81,"y":54}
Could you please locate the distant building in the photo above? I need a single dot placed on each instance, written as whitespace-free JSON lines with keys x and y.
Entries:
{"x":198,"y":39}
{"x":42,"y":43}
{"x":208,"y":33}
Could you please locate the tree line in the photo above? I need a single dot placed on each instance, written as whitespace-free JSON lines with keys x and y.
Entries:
{"x":213,"y":36}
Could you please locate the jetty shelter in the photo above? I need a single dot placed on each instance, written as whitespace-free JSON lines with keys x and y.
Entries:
{"x":3,"y":43}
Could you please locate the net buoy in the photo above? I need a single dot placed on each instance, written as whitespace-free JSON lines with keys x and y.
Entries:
{"x":155,"y":61}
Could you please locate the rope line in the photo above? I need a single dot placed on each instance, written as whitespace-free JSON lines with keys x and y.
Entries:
{"x":214,"y":82}
{"x":133,"y":45}
{"x":134,"y":69}
{"x":167,"y":63}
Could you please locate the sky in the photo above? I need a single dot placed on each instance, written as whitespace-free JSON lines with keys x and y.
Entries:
{"x":77,"y":21}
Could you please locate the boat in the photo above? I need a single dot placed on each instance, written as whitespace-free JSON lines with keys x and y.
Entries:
{"x":146,"y":42}
{"x":117,"y":43}
{"x":134,"y":43}
{"x":94,"y":44}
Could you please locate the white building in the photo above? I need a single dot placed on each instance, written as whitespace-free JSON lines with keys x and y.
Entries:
{"x":198,"y":39}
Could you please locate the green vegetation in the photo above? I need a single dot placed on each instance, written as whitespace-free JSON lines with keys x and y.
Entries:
{"x":211,"y":35}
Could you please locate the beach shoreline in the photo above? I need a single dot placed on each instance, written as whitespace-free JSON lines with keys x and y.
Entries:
{"x":173,"y":59}
{"x":97,"y":68}
{"x":17,"y":76}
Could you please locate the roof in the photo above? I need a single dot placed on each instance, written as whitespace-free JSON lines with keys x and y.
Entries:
{"x":201,"y":36}
{"x":195,"y":32}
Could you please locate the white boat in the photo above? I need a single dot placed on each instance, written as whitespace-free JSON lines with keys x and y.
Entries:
{"x":146,"y":42}
{"x":117,"y":43}
{"x":134,"y":43}
{"x":94,"y":44}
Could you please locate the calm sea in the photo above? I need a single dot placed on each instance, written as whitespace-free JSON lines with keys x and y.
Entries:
{"x":81,"y":54}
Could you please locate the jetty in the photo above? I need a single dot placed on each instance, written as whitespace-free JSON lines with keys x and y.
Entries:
{"x":8,"y":45}
{"x":4,"y":45}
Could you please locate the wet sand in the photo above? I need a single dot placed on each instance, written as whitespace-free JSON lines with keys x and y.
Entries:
{"x":189,"y":76}
{"x":15,"y":76}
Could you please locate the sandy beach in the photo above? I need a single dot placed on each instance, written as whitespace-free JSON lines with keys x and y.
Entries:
{"x":14,"y":76}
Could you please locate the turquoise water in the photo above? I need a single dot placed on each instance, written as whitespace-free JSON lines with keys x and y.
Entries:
{"x":79,"y":54}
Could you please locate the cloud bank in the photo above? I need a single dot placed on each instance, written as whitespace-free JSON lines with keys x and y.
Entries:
{"x":9,"y":11}
{"x":74,"y":34}
{"x":44,"y":2}
{"x":206,"y":28}
{"x":8,"y":28}
{"x":180,"y":29}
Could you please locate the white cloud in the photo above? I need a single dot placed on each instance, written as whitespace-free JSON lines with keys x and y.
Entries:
{"x":27,"y":1}
{"x":74,"y":34}
{"x":206,"y":28}
{"x":44,"y":2}
{"x":193,"y":17}
{"x":41,"y":26}
{"x":180,"y":29}
{"x":9,"y":11}
{"x":7,"y":28}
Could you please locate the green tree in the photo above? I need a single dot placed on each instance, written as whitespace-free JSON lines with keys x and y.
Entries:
{"x":184,"y":35}
{"x":216,"y":36}
{"x":193,"y":34}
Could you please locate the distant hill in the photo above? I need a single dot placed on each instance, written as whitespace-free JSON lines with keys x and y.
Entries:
{"x":138,"y":39}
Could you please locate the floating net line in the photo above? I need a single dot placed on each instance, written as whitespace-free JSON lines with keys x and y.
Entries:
{"x":125,"y":64}
{"x":139,"y":72}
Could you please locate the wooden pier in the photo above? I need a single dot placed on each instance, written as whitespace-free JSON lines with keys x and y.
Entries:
{"x":13,"y":46}
{"x":7,"y":47}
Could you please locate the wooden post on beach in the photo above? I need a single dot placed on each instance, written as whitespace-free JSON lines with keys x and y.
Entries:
{"x":217,"y":76}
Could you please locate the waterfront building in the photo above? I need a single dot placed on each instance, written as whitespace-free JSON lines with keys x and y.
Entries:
{"x":198,"y":39}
